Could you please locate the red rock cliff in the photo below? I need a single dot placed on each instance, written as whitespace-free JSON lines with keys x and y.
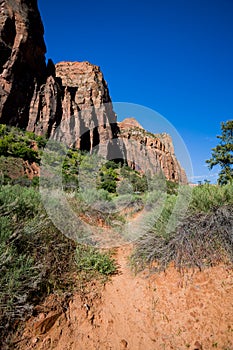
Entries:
{"x":39,"y":98}
{"x":75,"y":104}
{"x":145,"y":151}
{"x":70,"y":100}
{"x":22,"y":59}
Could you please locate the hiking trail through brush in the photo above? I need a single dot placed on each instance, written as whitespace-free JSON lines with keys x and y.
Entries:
{"x":143,"y":312}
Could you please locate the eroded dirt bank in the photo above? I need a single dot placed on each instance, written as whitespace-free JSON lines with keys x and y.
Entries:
{"x":143,"y":312}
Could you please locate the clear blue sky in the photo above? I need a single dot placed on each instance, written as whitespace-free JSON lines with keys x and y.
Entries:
{"x":173,"y":56}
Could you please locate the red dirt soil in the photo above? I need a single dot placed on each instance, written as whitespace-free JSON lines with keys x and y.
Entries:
{"x":142,"y":312}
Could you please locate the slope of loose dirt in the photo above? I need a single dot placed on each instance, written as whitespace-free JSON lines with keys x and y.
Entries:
{"x":143,"y":312}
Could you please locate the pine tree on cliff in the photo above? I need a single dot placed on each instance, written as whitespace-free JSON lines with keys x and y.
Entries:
{"x":222,"y":154}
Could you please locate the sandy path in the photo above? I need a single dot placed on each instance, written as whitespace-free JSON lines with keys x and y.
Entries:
{"x":162,"y":311}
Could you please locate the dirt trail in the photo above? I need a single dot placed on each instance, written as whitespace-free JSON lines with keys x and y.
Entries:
{"x":143,"y":312}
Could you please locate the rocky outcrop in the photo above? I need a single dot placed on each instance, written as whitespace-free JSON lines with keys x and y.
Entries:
{"x":74,"y":105}
{"x":22,"y":59}
{"x":145,"y":151}
{"x":45,"y":111}
{"x":17,"y":169}
{"x":39,"y":98}
{"x":88,"y":119}
{"x":69,"y":100}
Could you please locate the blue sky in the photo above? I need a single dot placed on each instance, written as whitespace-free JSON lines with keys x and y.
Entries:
{"x":173,"y":56}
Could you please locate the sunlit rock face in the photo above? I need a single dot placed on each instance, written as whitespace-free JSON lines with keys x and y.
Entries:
{"x":70,"y":100}
{"x":87,"y":114}
{"x":145,"y":151}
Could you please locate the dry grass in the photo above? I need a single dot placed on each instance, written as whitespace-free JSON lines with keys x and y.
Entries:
{"x":203,"y":239}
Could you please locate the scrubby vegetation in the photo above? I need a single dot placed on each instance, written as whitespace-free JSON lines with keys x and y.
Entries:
{"x":89,"y":260}
{"x":19,"y":144}
{"x":36,"y":259}
{"x":204,"y":236}
{"x":18,"y":150}
{"x":207,"y":197}
{"x":29,"y":247}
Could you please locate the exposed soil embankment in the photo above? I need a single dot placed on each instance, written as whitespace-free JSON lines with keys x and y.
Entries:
{"x":143,"y":312}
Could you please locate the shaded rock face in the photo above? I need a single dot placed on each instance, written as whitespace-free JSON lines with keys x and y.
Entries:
{"x":22,"y":59}
{"x":145,"y":151}
{"x":69,"y":101}
{"x":88,"y":119}
{"x":45,"y":111}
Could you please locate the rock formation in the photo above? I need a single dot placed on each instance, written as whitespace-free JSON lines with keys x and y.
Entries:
{"x":74,"y":106}
{"x":39,"y":98}
{"x":22,"y":59}
{"x":69,"y":100}
{"x":145,"y":151}
{"x":87,"y":113}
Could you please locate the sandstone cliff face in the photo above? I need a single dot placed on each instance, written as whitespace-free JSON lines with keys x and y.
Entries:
{"x":39,"y":98}
{"x":69,"y":100}
{"x":145,"y":151}
{"x":87,"y":117}
{"x":74,"y":104}
{"x":22,"y":59}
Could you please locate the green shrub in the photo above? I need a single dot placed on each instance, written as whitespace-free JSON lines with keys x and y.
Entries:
{"x":137,"y":181}
{"x":16,"y":143}
{"x":206,"y":197}
{"x":24,"y":202}
{"x":4,"y":145}
{"x":111,"y":165}
{"x":91,"y":196}
{"x":5,"y":228}
{"x":108,"y":184}
{"x":3,"y":129}
{"x":30,"y":247}
{"x":22,"y":150}
{"x":41,"y":141}
{"x":172,"y":187}
{"x":108,"y":179}
{"x":90,"y":259}
{"x":152,"y":197}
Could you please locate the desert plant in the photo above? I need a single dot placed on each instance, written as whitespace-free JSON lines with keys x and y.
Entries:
{"x":202,"y":239}
{"x":92,"y":196}
{"x":30,"y":247}
{"x":91,"y":260}
{"x":206,"y":197}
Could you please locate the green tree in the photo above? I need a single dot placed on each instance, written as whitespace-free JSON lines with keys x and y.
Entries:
{"x":222,"y":154}
{"x":108,"y":178}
